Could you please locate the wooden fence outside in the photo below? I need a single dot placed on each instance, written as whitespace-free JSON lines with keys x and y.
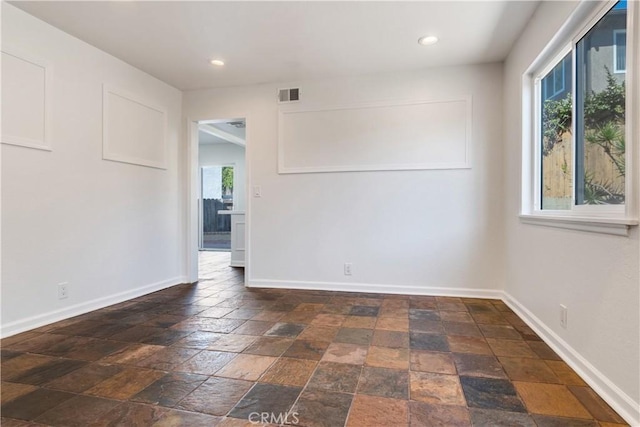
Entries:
{"x":212,"y":221}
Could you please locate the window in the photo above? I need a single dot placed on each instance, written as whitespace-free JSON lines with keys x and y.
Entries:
{"x":619,"y":51}
{"x":580,"y":128}
{"x":554,"y":84}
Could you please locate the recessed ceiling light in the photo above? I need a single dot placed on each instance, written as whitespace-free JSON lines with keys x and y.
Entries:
{"x":428,"y":40}
{"x":217,"y":62}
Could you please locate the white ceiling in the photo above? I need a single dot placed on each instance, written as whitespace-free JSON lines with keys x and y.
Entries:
{"x":283,"y":41}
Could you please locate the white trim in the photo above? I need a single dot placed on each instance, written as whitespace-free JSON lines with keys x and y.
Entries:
{"x":618,"y":227}
{"x":107,"y":153}
{"x":46,"y":144}
{"x":467,"y":99}
{"x":39,"y":320}
{"x":621,"y":402}
{"x":376,"y":288}
{"x":192,"y":202}
{"x":537,"y":122}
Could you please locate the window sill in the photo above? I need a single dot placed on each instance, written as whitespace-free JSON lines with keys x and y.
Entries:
{"x":617,"y":227}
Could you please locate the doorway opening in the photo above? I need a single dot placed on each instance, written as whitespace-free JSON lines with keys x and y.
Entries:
{"x":222,"y":188}
{"x":216,"y":184}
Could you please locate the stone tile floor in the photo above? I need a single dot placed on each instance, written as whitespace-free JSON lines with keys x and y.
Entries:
{"x":217,"y":354}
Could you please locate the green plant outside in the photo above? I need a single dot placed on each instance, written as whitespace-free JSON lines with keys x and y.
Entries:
{"x":604,"y":115}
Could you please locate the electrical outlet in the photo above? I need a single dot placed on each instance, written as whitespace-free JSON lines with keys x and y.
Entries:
{"x":563,"y":316}
{"x":347,"y":269}
{"x":63,"y":290}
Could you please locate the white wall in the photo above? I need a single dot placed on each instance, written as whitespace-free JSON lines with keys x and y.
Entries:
{"x":595,"y":275}
{"x":404,"y":231}
{"x":111,"y":230}
{"x":227,"y":154}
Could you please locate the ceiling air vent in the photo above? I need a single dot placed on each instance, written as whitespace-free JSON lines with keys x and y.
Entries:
{"x":289,"y":95}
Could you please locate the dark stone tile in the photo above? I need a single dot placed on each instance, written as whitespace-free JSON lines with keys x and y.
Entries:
{"x":492,"y":318}
{"x":170,"y":389}
{"x":125,"y":384}
{"x":393,"y":339}
{"x":462,"y":328}
{"x":206,"y":362}
{"x":336,"y":309}
{"x":303,"y":349}
{"x":500,"y":331}
{"x":527,"y":369}
{"x":354,"y":336}
{"x":286,"y":330}
{"x":8,"y":354}
{"x":164,"y":337}
{"x":269,"y":346}
{"x":423,"y":303}
{"x":490,"y":393}
{"x":216,"y":396}
{"x":10,"y":391}
{"x":103,"y":330}
{"x":242,"y":313}
{"x":548,"y":421}
{"x":78,"y":327}
{"x":47,"y":372}
{"x":134,"y":334}
{"x":340,"y":377}
{"x":479,"y":307}
{"x":198,"y":339}
{"x":253,"y":327}
{"x":79,"y":411}
{"x":597,"y":407}
{"x":14,"y":339}
{"x":543,"y":350}
{"x":175,"y":418}
{"x":34,"y":404}
{"x":322,"y":409}
{"x":35,"y":344}
{"x":427,"y":415}
{"x":276,"y":399}
{"x":84,"y":378}
{"x":384,"y":382}
{"x":364,"y":310}
{"x":419,"y":314}
{"x":165,"y":320}
{"x":493,"y":418}
{"x":432,"y":342}
{"x":215,"y":312}
{"x":478,"y":365}
{"x":132,"y":414}
{"x":428,"y":326}
{"x":83,"y":348}
{"x":168,"y":358}
{"x":9,"y":422}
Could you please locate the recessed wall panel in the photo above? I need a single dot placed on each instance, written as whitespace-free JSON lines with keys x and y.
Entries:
{"x":134,"y":130}
{"x":26,"y":88}
{"x":383,"y":136}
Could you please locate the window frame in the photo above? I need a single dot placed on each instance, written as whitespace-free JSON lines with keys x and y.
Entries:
{"x":611,"y":219}
{"x":615,"y":51}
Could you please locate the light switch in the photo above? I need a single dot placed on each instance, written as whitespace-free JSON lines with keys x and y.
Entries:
{"x":257,"y":191}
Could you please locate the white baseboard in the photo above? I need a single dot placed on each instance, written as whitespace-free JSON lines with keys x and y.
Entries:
{"x":39,"y":320}
{"x":375,"y":288}
{"x":621,"y":402}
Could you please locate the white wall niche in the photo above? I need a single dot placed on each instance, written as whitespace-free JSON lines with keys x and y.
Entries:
{"x":134,"y":130}
{"x":27,"y":83}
